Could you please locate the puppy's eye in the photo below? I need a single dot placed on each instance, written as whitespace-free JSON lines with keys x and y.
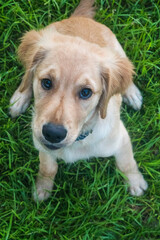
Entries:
{"x":46,"y":84}
{"x":85,"y":93}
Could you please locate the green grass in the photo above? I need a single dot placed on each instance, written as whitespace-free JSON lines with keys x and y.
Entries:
{"x":89,"y":200}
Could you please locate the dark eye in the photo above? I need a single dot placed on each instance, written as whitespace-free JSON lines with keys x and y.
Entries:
{"x":85,"y":93}
{"x":46,"y":84}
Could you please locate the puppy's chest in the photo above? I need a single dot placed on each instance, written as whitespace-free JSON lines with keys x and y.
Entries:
{"x":88,"y":148}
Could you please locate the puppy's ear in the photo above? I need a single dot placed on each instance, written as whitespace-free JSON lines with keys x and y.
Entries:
{"x":28,"y":47}
{"x":116,"y":74}
{"x":28,"y":76}
{"x":30,"y":54}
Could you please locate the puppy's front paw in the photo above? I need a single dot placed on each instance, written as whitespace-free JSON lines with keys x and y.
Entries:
{"x":19,"y":101}
{"x":137,"y":184}
{"x":133,"y":97}
{"x":43,"y":189}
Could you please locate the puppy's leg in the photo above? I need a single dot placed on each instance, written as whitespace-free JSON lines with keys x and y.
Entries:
{"x":133,"y":97}
{"x":47,"y":172}
{"x":127,"y":164}
{"x":21,"y":98}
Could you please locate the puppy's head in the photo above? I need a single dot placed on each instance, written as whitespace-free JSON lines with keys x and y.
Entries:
{"x":73,"y":81}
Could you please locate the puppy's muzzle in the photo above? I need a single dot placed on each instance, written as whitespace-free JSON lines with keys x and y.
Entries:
{"x":54,"y":134}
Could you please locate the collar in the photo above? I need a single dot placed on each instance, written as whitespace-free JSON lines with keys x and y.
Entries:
{"x":83,"y":135}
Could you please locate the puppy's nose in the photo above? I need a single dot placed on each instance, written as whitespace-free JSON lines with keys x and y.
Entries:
{"x":54,"y":133}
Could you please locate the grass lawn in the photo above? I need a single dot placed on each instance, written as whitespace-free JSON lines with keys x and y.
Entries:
{"x":89,"y":200}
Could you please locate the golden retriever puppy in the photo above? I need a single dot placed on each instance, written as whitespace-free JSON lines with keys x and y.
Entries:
{"x":78,"y":72}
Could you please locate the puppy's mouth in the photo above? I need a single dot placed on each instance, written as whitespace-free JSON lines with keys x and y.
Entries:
{"x":51,"y":146}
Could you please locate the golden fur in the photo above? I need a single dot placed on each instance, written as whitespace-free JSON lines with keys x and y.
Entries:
{"x":73,"y":54}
